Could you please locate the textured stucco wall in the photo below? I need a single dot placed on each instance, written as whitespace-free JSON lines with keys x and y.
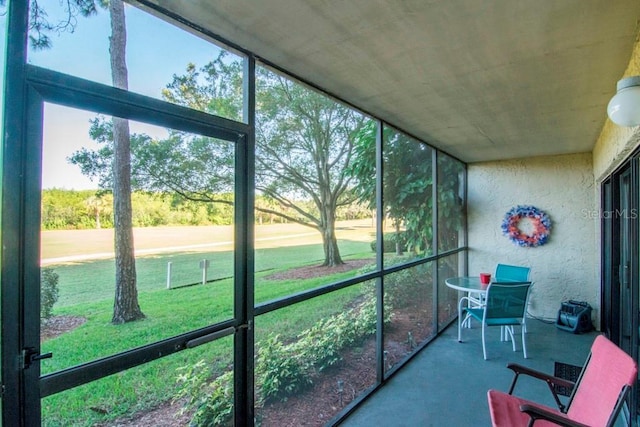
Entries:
{"x":563,"y":187}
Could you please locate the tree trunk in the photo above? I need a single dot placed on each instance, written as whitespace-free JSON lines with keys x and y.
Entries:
{"x":125,"y":306}
{"x":329,"y":241}
{"x":399,"y":249}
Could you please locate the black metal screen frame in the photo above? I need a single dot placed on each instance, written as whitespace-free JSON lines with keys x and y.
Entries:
{"x":21,"y":258}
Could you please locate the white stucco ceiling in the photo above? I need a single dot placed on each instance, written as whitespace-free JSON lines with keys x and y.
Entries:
{"x":479,"y":79}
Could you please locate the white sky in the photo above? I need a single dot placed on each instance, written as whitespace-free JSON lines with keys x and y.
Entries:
{"x":155,"y":51}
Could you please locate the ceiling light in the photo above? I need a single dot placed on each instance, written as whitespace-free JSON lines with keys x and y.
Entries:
{"x":624,"y":107}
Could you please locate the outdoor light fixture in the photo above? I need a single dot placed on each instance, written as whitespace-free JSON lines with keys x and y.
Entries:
{"x":624,"y":107}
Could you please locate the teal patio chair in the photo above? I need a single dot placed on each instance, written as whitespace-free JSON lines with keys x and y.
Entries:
{"x":505,"y":305}
{"x":506,"y":273}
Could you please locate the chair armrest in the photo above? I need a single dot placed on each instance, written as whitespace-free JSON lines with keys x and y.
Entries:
{"x":551,"y":381}
{"x":537,"y":413}
{"x":519,"y":369}
{"x":465,"y":299}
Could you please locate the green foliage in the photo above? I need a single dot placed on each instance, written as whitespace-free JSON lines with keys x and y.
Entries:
{"x":362,"y":168}
{"x":48,"y":292}
{"x":320,"y":345}
{"x":281,"y":369}
{"x":400,"y":288}
{"x":212,"y":400}
{"x":40,"y":25}
{"x":215,"y":88}
{"x":86,"y":209}
{"x":304,"y":143}
{"x":73,"y":209}
{"x":171,"y":313}
{"x":450,"y":201}
{"x":408,"y":187}
{"x":390,"y":240}
{"x":407,"y":182}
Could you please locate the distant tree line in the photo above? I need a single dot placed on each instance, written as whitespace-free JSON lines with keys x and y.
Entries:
{"x":86,"y":209}
{"x":90,"y":209}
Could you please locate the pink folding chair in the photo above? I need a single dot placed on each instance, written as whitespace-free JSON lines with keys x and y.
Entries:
{"x":596,"y":400}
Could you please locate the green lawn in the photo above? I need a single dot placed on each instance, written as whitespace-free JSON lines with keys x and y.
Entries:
{"x":92,"y":281}
{"x":147,"y":385}
{"x":86,"y":289}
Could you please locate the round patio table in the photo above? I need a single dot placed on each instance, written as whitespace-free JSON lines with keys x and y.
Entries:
{"x":469,"y":284}
{"x":475,"y":290}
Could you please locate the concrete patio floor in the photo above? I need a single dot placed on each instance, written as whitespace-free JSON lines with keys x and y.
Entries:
{"x":446,"y":384}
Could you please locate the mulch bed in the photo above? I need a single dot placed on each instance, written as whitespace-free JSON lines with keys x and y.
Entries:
{"x":58,"y":325}
{"x":312,"y":271}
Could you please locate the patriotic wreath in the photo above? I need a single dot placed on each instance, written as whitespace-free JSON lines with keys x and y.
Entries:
{"x":536,"y":230}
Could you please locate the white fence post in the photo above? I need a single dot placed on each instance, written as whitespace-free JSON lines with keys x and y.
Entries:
{"x":169,"y":275}
{"x":204,"y":264}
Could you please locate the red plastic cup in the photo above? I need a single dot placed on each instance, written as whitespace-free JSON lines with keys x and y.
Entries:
{"x":485,"y":278}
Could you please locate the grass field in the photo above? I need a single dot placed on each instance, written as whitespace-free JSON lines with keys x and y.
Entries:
{"x":86,"y":290}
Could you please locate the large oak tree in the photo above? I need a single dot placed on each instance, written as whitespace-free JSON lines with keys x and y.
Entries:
{"x":304,"y":142}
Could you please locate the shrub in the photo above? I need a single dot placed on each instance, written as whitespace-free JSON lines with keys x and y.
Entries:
{"x":365,"y":323}
{"x":320,"y":345}
{"x":279,"y":371}
{"x":48,"y":292}
{"x":213,"y":400}
{"x":400,"y":288}
{"x":389,"y":241}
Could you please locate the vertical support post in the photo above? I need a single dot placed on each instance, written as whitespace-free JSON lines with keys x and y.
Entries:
{"x":380,"y":214}
{"x":434,"y":241}
{"x":169,"y":275}
{"x":20,"y":235}
{"x":244,"y":253}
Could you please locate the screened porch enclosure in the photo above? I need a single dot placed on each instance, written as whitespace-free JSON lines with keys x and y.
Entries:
{"x":289,"y":255}
{"x":304,"y":177}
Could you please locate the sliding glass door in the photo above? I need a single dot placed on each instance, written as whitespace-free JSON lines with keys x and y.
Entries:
{"x":620,"y":281}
